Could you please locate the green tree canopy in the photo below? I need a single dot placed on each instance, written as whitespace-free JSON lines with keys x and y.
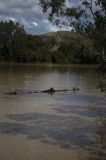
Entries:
{"x":88,"y":18}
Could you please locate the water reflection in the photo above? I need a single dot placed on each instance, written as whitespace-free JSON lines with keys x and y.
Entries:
{"x":69,"y":121}
{"x":40,"y":77}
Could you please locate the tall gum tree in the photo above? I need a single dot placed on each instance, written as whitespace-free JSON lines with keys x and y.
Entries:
{"x":89,"y":18}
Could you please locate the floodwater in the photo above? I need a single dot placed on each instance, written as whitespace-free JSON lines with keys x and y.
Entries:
{"x":40,"y":126}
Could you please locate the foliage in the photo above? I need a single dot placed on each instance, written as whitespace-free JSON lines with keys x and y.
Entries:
{"x":88,"y":18}
{"x":55,"y":47}
{"x":12,"y":41}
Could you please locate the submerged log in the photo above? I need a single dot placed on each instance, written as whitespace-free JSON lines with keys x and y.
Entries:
{"x":52,"y":90}
{"x":12,"y":93}
{"x":49,"y":91}
{"x":75,"y":89}
{"x":33,"y":92}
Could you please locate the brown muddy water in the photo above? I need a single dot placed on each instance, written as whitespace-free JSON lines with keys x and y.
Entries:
{"x":40,"y":126}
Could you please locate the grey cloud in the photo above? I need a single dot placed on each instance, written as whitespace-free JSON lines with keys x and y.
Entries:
{"x":26,"y":12}
{"x":21,"y":8}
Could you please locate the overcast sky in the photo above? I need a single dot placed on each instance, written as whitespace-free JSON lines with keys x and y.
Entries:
{"x":28,"y":13}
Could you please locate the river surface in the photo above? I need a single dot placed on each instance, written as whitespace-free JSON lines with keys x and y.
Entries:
{"x":64,"y":125}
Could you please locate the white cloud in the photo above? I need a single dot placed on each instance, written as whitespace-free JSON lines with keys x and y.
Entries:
{"x":35,"y":23}
{"x":28,"y":13}
{"x":12,"y":19}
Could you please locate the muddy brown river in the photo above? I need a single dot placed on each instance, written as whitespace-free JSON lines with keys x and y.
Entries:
{"x":67,"y":125}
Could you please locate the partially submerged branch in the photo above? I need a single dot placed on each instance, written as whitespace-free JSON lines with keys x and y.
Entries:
{"x":49,"y":91}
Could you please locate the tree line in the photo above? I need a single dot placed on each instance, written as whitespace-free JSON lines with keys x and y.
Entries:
{"x":58,"y":47}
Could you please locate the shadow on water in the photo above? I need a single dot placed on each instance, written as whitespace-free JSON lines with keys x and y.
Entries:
{"x":89,"y":109}
{"x":65,"y":131}
{"x":71,"y":127}
{"x":95,"y":112}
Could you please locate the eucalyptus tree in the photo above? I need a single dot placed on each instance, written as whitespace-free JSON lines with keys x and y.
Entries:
{"x":89,"y":18}
{"x":11,"y":35}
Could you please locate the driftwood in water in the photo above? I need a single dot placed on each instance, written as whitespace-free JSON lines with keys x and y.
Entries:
{"x":52,"y":90}
{"x":33,"y":92}
{"x":12,"y":93}
{"x":49,"y":91}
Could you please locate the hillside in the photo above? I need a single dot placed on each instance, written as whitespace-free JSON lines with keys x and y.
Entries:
{"x":53,"y":47}
{"x":63,"y":47}
{"x":62,"y":35}
{"x":58,"y":38}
